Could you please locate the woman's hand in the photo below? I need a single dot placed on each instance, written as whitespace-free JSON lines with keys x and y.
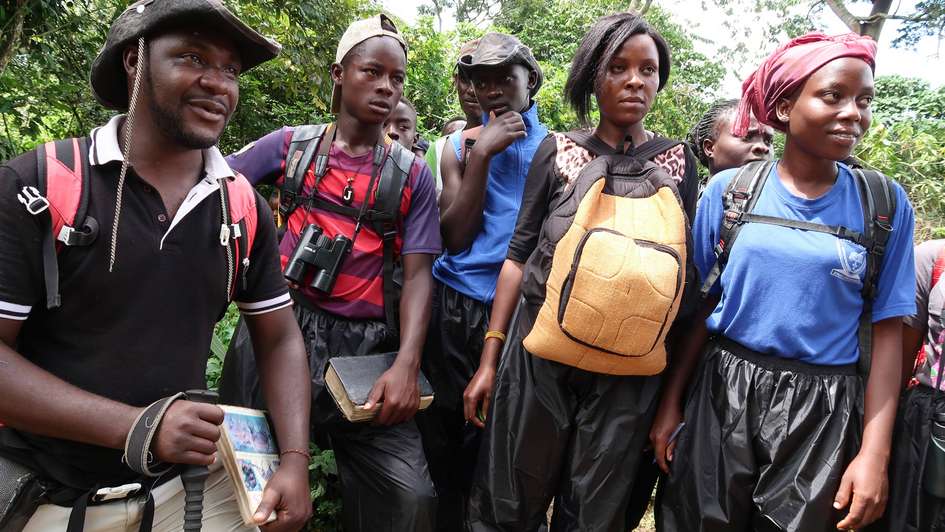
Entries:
{"x":668,"y":417}
{"x":865,"y":482}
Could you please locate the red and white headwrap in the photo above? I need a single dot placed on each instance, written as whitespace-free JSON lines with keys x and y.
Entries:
{"x":784,"y":71}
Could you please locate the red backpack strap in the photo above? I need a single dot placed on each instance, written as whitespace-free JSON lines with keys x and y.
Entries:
{"x":60,"y":202}
{"x":938,"y":268}
{"x":244,"y":218}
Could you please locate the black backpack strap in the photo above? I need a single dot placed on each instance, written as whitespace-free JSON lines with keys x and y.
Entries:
{"x":739,"y":198}
{"x":305,"y":140}
{"x":384,"y":217}
{"x":654,"y":147}
{"x":879,"y":206}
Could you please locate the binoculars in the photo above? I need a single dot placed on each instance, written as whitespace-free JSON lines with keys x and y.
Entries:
{"x":321,"y":255}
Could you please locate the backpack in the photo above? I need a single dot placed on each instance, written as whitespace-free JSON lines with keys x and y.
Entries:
{"x":879,"y":205}
{"x":612,"y":258}
{"x":384,"y":214}
{"x":60,"y":201}
{"x":938,"y":267}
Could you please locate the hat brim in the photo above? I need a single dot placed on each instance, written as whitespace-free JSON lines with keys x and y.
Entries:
{"x":466,"y":68}
{"x":107,"y":77}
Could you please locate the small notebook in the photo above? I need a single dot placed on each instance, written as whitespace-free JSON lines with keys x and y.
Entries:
{"x":350,"y":379}
{"x":250,"y":456}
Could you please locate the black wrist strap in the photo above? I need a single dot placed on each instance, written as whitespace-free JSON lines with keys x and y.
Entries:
{"x":138,"y":454}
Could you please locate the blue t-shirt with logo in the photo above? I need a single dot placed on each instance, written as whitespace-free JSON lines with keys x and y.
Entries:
{"x":794,"y":293}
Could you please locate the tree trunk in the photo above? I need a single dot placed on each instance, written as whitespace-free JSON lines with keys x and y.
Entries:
{"x":874,"y":25}
{"x":10,"y":39}
{"x":871,"y":26}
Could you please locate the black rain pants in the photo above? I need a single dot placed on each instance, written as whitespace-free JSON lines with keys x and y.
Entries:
{"x":386,"y":486}
{"x":557,"y":432}
{"x":910,"y":508}
{"x":765,"y":445}
{"x":451,"y":354}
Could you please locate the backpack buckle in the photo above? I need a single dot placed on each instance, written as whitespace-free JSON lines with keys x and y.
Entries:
{"x":31,"y":198}
{"x":119,"y":492}
{"x":390,"y":232}
{"x":719,"y":249}
{"x":224,"y":235}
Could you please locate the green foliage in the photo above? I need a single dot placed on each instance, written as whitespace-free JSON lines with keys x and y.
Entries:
{"x":325,"y":491}
{"x":222,"y":334}
{"x":431,"y":56}
{"x":900,"y":99}
{"x":913,"y":154}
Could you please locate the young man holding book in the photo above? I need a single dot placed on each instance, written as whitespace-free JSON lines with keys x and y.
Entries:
{"x":121,"y":316}
{"x":336,"y":181}
{"x":482,"y":190}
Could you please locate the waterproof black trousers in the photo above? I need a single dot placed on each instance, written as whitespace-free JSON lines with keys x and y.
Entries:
{"x":558,"y":432}
{"x":910,"y":508}
{"x":451,"y":354}
{"x":386,"y":486}
{"x":765,"y":445}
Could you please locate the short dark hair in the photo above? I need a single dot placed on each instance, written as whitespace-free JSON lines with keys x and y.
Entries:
{"x":408,"y":103}
{"x":598,"y":47}
{"x":707,"y":128}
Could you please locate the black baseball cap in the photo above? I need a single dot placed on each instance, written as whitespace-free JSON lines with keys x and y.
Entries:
{"x":145,"y":16}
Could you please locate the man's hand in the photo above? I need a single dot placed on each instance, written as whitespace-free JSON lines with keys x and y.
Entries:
{"x":667,"y":419}
{"x":188,"y":434}
{"x":500,"y":133}
{"x":397,"y":389}
{"x":864,"y":481}
{"x":287,"y":494}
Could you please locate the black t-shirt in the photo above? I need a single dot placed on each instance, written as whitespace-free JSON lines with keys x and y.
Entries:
{"x":143,"y":331}
{"x":559,"y":159}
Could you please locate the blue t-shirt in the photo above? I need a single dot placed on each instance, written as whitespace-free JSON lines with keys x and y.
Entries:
{"x":794,"y":293}
{"x":475,"y":270}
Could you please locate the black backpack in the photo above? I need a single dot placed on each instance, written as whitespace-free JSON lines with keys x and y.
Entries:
{"x":879,"y":206}
{"x":383,"y":215}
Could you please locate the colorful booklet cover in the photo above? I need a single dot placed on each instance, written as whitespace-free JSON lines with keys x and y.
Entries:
{"x":250,"y":456}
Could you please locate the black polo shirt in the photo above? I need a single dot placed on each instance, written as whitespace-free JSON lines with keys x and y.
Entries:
{"x":143,"y":331}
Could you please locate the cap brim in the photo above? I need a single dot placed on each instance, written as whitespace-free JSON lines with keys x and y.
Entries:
{"x":107,"y":76}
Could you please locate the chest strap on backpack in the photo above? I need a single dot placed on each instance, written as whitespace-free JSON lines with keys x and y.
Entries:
{"x":740,"y":197}
{"x":60,"y":203}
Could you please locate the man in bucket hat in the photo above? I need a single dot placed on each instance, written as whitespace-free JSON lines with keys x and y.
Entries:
{"x":126,"y":320}
{"x":482,"y":190}
{"x":385,"y":482}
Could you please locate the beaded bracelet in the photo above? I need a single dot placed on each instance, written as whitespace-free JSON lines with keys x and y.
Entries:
{"x":297,"y":451}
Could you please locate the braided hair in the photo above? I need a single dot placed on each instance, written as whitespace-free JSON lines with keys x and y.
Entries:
{"x":707,"y":128}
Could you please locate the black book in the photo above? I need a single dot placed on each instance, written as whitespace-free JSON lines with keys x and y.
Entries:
{"x":350,"y":379}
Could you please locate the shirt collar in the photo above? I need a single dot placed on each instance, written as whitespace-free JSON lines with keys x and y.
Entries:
{"x":105,"y":149}
{"x":530,"y":117}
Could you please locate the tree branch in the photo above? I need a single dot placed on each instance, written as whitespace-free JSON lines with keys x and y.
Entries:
{"x":844,"y":14}
{"x":10,"y":39}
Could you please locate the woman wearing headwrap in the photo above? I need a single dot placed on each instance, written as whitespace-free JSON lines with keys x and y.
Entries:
{"x":778,"y":434}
